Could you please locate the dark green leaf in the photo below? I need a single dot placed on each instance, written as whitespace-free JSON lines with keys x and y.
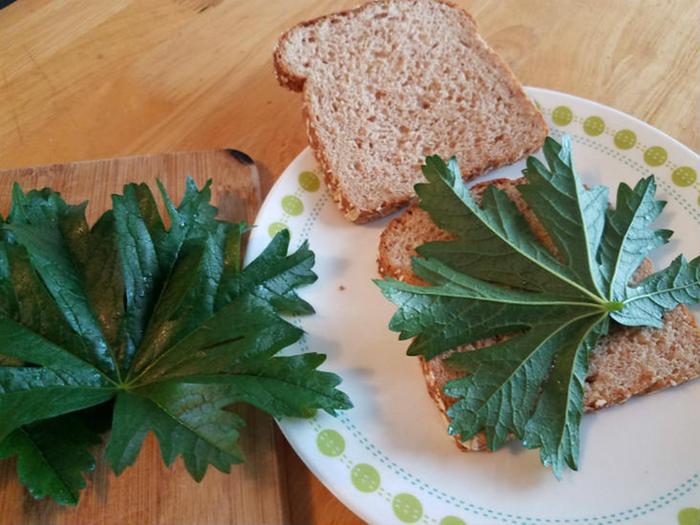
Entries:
{"x":52,"y":456}
{"x":274,"y":276}
{"x":186,"y":300}
{"x":165,"y":320}
{"x":136,"y":224}
{"x":104,"y":283}
{"x":188,"y":420}
{"x":32,"y":394}
{"x":8,"y":300}
{"x":245,"y":330}
{"x":192,"y":219}
{"x":51,"y":232}
{"x":288,"y":386}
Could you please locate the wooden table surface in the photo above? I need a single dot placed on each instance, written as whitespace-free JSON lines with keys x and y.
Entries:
{"x":85,"y":79}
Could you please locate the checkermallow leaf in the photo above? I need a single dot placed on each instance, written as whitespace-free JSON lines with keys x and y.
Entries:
{"x":495,"y":279}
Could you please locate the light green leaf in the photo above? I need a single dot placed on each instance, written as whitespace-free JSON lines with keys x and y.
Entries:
{"x":646,"y":302}
{"x":554,"y":426}
{"x":493,"y":243}
{"x":573,"y":216}
{"x":628,"y":237}
{"x":459,"y":309}
{"x":495,"y":280}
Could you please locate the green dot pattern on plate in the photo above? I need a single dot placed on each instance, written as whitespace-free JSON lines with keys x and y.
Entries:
{"x":655,"y":156}
{"x":689,"y":516}
{"x":276,"y":227}
{"x":452,"y":520}
{"x":562,"y":115}
{"x":292,"y":205}
{"x":330,"y":443}
{"x":365,"y":477}
{"x":684,"y":176}
{"x":625,"y":139}
{"x":309,"y":181}
{"x":407,"y":508}
{"x":593,"y":126}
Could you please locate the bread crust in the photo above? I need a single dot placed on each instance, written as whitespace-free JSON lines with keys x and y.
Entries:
{"x":291,"y":80}
{"x":287,"y":78}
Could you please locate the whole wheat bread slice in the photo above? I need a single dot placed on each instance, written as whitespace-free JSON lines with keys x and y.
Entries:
{"x":627,"y":362}
{"x":392,"y":81}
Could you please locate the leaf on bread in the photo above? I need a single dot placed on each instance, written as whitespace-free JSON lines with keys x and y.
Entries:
{"x":495,"y":279}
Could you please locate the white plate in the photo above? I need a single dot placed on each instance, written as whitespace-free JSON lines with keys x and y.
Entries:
{"x":390,"y":459}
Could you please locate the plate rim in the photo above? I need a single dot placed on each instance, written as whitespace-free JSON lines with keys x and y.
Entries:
{"x":324,"y":475}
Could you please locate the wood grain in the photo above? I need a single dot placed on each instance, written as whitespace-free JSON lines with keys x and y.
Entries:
{"x":82,"y":79}
{"x":148,"y":492}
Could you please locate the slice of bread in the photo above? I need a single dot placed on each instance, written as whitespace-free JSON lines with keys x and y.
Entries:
{"x":627,"y":362}
{"x":392,"y":81}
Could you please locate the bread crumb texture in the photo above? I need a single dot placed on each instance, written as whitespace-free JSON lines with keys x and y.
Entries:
{"x":392,"y":81}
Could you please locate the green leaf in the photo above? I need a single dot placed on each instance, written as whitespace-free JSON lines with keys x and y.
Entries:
{"x":32,"y":394}
{"x":52,"y":233}
{"x":493,"y":243}
{"x":188,"y":420}
{"x":274,"y":277}
{"x":8,"y":300}
{"x":104,"y":283}
{"x":554,"y":427}
{"x":52,"y":456}
{"x":136,"y":224}
{"x":289,"y":386}
{"x":461,"y":309}
{"x":149,"y":327}
{"x":513,"y":369}
{"x":61,"y":384}
{"x":186,"y":299}
{"x":34,"y":308}
{"x":628,"y":236}
{"x":192,"y":219}
{"x":573,"y":216}
{"x":546,"y":310}
{"x":646,"y":302}
{"x":247,"y":329}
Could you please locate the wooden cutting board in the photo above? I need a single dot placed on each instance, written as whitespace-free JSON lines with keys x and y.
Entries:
{"x":148,"y":492}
